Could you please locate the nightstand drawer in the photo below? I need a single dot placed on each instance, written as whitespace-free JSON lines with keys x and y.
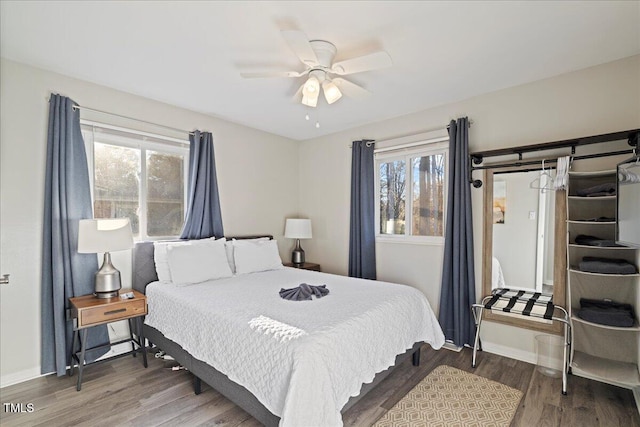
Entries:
{"x":123,"y":310}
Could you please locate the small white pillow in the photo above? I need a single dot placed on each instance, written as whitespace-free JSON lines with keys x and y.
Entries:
{"x":160,"y":259}
{"x":252,"y":256}
{"x":198,"y":262}
{"x":229,"y":247}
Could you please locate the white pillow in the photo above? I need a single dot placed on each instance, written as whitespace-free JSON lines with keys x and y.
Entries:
{"x":254,"y":256}
{"x":229,"y":247}
{"x":160,"y":259}
{"x":160,"y":256}
{"x":198,"y":262}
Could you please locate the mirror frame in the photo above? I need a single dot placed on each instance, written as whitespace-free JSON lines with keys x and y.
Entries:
{"x":559,"y":258}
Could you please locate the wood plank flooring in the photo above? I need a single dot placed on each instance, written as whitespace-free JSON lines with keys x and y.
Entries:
{"x":123,"y":393}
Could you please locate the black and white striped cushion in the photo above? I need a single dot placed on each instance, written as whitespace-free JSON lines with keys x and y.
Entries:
{"x":524,"y":303}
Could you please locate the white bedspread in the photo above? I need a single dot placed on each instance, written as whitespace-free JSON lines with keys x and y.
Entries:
{"x":301,"y":359}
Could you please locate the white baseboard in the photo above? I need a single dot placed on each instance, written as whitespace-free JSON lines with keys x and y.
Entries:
{"x":510,"y":352}
{"x":21,"y":376}
{"x":32,"y":373}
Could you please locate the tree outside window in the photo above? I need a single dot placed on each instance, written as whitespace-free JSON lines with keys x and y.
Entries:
{"x":411,"y":194}
{"x":140,"y":180}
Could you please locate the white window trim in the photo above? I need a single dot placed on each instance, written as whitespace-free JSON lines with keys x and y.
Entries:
{"x":143,"y":141}
{"x":437,"y":145}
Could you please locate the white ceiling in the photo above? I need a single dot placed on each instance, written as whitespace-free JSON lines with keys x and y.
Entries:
{"x":190,"y":54}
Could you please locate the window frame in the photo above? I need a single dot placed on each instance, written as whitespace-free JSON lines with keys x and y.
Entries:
{"x":412,"y":151}
{"x":129,"y":138}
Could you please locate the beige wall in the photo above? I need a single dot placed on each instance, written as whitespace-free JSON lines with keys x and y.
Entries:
{"x":255,"y":171}
{"x":596,"y":100}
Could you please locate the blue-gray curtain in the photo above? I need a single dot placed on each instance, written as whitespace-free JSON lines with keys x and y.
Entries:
{"x":458,"y":291}
{"x":65,"y":272}
{"x":204,"y":218}
{"x":362,"y":245}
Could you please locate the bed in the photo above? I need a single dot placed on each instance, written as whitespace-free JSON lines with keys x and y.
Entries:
{"x":285,"y":362}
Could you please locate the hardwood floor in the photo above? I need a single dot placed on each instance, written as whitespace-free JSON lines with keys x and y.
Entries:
{"x":123,"y":393}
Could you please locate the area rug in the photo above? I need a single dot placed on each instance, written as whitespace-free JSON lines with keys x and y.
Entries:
{"x":449,"y":397}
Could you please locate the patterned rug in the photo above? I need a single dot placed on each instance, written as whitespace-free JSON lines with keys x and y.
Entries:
{"x":449,"y":397}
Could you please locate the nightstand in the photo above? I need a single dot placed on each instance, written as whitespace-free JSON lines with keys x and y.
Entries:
{"x":88,"y":311}
{"x":304,"y":266}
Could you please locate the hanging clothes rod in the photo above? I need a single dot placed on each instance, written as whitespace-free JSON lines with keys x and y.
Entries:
{"x":78,"y":107}
{"x":477,"y":157}
{"x":539,"y":162}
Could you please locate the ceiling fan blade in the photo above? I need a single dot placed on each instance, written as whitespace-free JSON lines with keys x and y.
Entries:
{"x":298,"y":95}
{"x":351,"y":89}
{"x":372,"y":61}
{"x":272,"y":74}
{"x":299,"y":43}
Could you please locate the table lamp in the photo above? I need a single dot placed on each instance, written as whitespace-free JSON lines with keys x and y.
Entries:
{"x":297,"y":229}
{"x":105,"y":235}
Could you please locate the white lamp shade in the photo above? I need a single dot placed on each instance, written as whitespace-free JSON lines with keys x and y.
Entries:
{"x":310,"y":101}
{"x":297,"y":228}
{"x":104,"y":235}
{"x":312,"y":87}
{"x":331,"y":91}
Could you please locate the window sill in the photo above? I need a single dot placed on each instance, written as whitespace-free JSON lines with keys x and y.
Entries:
{"x":413,"y":240}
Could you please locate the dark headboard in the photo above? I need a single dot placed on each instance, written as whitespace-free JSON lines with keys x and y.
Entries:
{"x":144,"y":267}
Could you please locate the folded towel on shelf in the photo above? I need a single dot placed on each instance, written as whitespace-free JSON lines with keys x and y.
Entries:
{"x":606,"y":266}
{"x":583,"y":239}
{"x":606,"y":189}
{"x":304,"y":292}
{"x":606,"y":312}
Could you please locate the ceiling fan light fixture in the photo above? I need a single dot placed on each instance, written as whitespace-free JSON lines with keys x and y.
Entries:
{"x":331,"y":91}
{"x":311,"y":87}
{"x":310,"y":101}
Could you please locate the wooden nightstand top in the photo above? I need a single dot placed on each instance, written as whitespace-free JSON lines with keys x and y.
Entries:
{"x":304,"y":266}
{"x":91,"y":311}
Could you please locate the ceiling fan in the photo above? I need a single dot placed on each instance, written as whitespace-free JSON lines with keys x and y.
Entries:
{"x":317,"y":56}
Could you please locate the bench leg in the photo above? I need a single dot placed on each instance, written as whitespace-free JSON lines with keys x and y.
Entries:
{"x":567,"y":353}
{"x":476,"y":342}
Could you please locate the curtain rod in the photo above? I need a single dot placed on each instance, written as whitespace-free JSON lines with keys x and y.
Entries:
{"x":180,"y":142}
{"x":411,"y":144}
{"x":369,"y":141}
{"x":78,"y":107}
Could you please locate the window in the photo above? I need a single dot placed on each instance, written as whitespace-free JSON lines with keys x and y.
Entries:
{"x":411,"y":192}
{"x":137,"y":177}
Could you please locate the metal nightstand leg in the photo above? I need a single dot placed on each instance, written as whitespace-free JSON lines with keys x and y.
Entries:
{"x":83,"y":347}
{"x":133,"y":346}
{"x":141,"y":341}
{"x":72,"y":362}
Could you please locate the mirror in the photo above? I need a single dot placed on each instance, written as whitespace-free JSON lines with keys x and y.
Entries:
{"x":523,"y":225}
{"x":524,"y":237}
